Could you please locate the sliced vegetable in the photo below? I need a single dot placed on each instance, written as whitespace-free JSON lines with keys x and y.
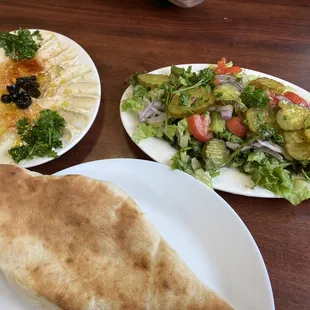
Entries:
{"x":292,"y":117}
{"x":223,"y":78}
{"x":221,"y":66}
{"x":268,"y":84}
{"x":227,"y":94}
{"x":295,"y":98}
{"x":226,"y":111}
{"x":199,"y":127}
{"x":237,"y":127}
{"x":297,"y":145}
{"x":233,"y":70}
{"x":216,"y":152}
{"x":217,"y":123}
{"x":152,"y":80}
{"x":194,"y":101}
{"x":256,"y":117}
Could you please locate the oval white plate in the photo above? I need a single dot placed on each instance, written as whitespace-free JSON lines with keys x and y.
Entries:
{"x":196,"y":221}
{"x":230,"y":180}
{"x":83,"y":58}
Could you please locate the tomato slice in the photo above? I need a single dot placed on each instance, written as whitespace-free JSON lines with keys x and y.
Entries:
{"x":295,"y":98}
{"x":217,"y":82}
{"x":198,"y":126}
{"x":237,"y":127}
{"x":233,"y":70}
{"x":221,"y":66}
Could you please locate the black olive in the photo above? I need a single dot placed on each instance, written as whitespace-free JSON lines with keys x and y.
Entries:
{"x":32,"y":78}
{"x":12,"y":88}
{"x":24,"y":102}
{"x":26,"y":84}
{"x":17,"y":94}
{"x":20,"y":80}
{"x":36,"y":84}
{"x":6,"y":98}
{"x":33,"y":92}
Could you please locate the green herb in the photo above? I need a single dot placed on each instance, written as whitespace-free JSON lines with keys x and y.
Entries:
{"x":252,"y":97}
{"x":39,"y":139}
{"x":184,"y":99}
{"x":268,"y":132}
{"x":22,"y":45}
{"x":228,"y":136}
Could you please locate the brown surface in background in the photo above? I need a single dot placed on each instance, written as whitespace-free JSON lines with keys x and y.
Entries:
{"x":125,"y":36}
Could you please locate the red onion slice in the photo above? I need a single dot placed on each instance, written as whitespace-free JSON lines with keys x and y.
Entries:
{"x":156,"y":119}
{"x":224,"y":78}
{"x":226,"y":111}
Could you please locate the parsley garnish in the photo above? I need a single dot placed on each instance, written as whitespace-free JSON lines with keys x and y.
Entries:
{"x":184,"y":99}
{"x":40,"y":138}
{"x":21,"y":45}
{"x":252,"y":97}
{"x":267,"y":132}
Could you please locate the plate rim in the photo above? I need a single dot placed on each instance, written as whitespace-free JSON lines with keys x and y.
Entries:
{"x":42,"y":160}
{"x":266,"y":193}
{"x":241,"y":224}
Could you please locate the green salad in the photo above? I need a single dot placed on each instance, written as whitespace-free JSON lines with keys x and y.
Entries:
{"x":221,"y":117}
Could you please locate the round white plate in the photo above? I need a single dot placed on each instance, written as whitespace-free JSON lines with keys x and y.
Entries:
{"x":196,"y":221}
{"x":230,"y":180}
{"x":83,"y":58}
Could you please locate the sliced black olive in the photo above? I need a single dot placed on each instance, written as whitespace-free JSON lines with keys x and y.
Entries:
{"x":6,"y":98}
{"x":33,"y":92}
{"x":24,"y":102}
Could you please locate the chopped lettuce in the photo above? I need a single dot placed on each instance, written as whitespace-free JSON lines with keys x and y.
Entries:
{"x":139,"y":91}
{"x":182,"y":161}
{"x":183,"y":133}
{"x":134,"y":104}
{"x":144,"y":131}
{"x":170,"y":131}
{"x":274,"y":175}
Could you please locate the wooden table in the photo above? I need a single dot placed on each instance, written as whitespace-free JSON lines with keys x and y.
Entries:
{"x":124,"y":36}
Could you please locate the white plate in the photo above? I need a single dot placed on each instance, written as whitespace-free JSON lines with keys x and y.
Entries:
{"x":230,"y":180}
{"x":83,"y":58}
{"x":196,"y":221}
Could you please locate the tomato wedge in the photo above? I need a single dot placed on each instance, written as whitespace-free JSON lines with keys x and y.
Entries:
{"x":295,"y":98}
{"x":233,"y":70}
{"x":237,"y":127}
{"x":198,"y":126}
{"x":221,"y":66}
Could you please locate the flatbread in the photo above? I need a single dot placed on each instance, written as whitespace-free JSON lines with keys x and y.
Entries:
{"x":75,"y":243}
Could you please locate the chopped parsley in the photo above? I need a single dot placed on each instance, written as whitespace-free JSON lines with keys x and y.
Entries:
{"x":40,"y":138}
{"x":22,"y":45}
{"x":256,"y":98}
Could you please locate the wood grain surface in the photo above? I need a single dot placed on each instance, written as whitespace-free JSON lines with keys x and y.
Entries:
{"x":272,"y":36}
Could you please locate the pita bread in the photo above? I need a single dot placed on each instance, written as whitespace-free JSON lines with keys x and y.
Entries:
{"x":75,"y":243}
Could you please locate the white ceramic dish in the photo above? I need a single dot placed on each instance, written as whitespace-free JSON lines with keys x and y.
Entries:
{"x":230,"y":180}
{"x":83,"y":58}
{"x":196,"y":221}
